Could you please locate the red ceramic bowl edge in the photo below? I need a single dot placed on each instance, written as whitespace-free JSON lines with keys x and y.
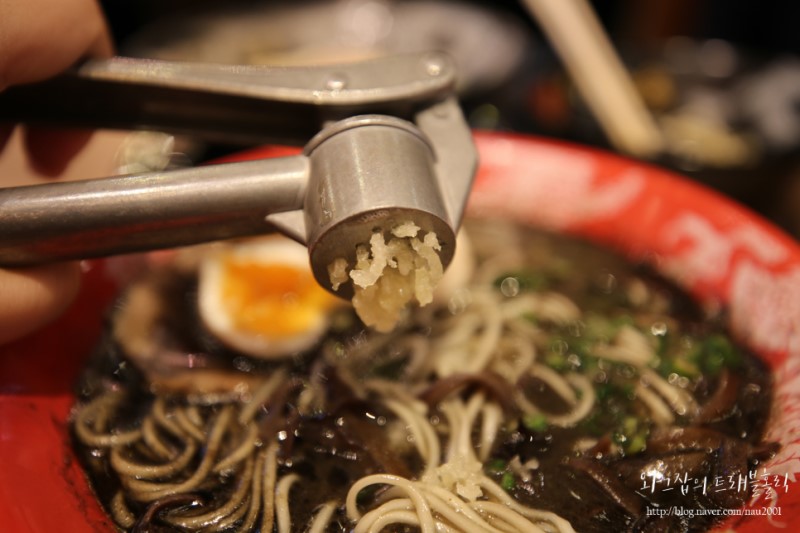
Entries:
{"x":43,"y":489}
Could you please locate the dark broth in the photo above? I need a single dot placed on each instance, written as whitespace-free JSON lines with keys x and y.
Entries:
{"x":597,"y":473}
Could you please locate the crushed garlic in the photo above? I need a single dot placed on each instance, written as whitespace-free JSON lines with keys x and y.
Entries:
{"x":389,"y":276}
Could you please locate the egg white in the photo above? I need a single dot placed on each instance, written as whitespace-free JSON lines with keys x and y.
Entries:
{"x":273,"y":250}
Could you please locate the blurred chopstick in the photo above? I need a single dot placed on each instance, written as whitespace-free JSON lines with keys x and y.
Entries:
{"x":605,"y":84}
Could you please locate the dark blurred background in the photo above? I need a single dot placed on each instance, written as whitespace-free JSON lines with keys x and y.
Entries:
{"x":766,"y":26}
{"x":721,"y":76}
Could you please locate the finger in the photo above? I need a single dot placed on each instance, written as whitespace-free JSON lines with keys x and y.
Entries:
{"x":5,"y":133}
{"x":40,"y":38}
{"x":33,"y":297}
{"x":51,"y":149}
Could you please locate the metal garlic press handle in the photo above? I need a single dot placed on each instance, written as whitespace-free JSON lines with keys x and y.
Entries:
{"x":385,"y":142}
{"x":231,"y":103}
{"x":82,"y":219}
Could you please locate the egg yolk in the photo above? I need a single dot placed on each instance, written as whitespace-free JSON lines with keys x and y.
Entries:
{"x":278,"y":300}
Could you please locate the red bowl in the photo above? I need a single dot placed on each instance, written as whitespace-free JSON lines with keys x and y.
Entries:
{"x":719,"y":251}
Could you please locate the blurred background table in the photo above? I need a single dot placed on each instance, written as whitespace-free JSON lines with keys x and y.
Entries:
{"x":721,"y":76}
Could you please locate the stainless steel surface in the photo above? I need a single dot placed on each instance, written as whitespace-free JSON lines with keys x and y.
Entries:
{"x":411,"y":160}
{"x":93,"y":218}
{"x":231,"y":103}
{"x":370,"y":173}
{"x":456,"y":157}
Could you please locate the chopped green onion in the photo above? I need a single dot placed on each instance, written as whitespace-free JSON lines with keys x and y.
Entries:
{"x":496,"y":466}
{"x":715,"y":353}
{"x":535,"y":422}
{"x":637,"y":444}
{"x":557,"y":362}
{"x":508,"y":481}
{"x":528,"y":280}
{"x":631,"y":435}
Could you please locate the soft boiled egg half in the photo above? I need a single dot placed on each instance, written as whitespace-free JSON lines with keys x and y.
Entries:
{"x":260,"y":297}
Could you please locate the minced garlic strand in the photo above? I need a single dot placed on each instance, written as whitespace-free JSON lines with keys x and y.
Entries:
{"x":389,"y":276}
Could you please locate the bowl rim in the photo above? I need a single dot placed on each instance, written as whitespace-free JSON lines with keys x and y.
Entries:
{"x":645,"y":212}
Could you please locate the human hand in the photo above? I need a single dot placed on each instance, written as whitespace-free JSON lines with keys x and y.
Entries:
{"x":39,"y":39}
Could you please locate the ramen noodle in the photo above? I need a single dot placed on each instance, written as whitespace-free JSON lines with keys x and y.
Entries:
{"x":559,"y":389}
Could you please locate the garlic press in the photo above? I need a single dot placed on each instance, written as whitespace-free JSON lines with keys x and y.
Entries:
{"x":384,"y":140}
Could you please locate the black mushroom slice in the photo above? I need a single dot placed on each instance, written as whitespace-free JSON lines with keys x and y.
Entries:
{"x":722,"y":402}
{"x":696,"y":438}
{"x":610,"y":484}
{"x":639,"y":472}
{"x":731,"y":469}
{"x":702,"y":453}
{"x":360,"y":425}
{"x":372,"y":440}
{"x":147,"y":522}
{"x":281,"y":414}
{"x":682,"y":439}
{"x":497,"y":387}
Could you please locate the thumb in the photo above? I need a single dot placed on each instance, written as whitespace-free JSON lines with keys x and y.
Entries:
{"x":33,"y":297}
